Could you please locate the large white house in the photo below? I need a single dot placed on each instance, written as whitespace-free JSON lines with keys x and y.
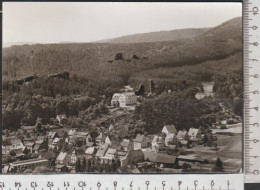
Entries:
{"x":124,"y":99}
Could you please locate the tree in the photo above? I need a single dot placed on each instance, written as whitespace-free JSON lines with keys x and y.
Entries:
{"x":218,"y":167}
{"x":186,"y":167}
{"x":89,"y":165}
{"x":38,"y":124}
{"x":77,"y":165}
{"x":205,"y":139}
{"x":84,"y":164}
{"x":12,"y":153}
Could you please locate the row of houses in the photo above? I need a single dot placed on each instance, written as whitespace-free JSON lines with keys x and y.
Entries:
{"x":170,"y":137}
{"x":62,"y":148}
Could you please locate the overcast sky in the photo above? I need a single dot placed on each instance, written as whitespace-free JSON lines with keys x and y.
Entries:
{"x":85,"y":22}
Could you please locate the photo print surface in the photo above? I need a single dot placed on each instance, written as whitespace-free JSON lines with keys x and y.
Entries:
{"x":95,"y":87}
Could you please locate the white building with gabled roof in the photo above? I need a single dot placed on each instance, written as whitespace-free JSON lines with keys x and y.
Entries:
{"x":124,"y":99}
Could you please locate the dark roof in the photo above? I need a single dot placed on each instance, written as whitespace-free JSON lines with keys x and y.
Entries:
{"x":48,"y":155}
{"x":159,"y":158}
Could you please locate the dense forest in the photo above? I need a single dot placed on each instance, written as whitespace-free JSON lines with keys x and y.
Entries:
{"x":95,"y":73}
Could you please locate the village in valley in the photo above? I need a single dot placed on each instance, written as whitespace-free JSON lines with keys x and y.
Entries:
{"x":122,"y":90}
{"x":58,"y":148}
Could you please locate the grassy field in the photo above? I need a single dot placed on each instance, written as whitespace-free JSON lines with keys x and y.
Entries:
{"x":229,"y":151}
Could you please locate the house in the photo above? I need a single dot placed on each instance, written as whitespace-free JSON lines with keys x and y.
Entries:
{"x":90,"y":152}
{"x":40,"y":145}
{"x":29,"y":146}
{"x":140,"y":142}
{"x":16,"y":143}
{"x":76,"y":154}
{"x":72,"y":132}
{"x":19,"y":153}
{"x":63,"y":158}
{"x":89,"y":139}
{"x":28,"y":139}
{"x":124,"y":99}
{"x":108,"y":140}
{"x":127,"y":99}
{"x":109,"y":156}
{"x":115,"y":99}
{"x":132,"y":157}
{"x":162,"y":160}
{"x":40,"y":137}
{"x":157,"y":143}
{"x":194,"y":134}
{"x":61,"y":118}
{"x":6,"y":147}
{"x":171,"y":139}
{"x":81,"y":134}
{"x":90,"y":144}
{"x":100,"y":139}
{"x":51,"y":136}
{"x":72,"y":140}
{"x":127,"y":145}
{"x":122,"y":154}
{"x":182,"y":135}
{"x":169,"y":129}
{"x":102,"y":150}
{"x":111,"y":128}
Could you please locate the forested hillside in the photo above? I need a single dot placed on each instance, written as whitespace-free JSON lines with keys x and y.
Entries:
{"x":95,"y":72}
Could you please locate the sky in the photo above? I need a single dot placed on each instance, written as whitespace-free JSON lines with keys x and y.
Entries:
{"x":49,"y":22}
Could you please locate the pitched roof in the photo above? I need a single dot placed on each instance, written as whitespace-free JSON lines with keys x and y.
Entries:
{"x":128,"y":94}
{"x":125,"y":142}
{"x":169,"y":137}
{"x":72,"y":132}
{"x":102,"y":150}
{"x":39,"y":142}
{"x":56,"y":140}
{"x":111,"y":151}
{"x":193,"y":132}
{"x":36,"y":147}
{"x":121,"y":153}
{"x":28,"y":143}
{"x":61,"y":156}
{"x":59,"y":166}
{"x":183,"y":142}
{"x":116,"y":97}
{"x":90,"y":150}
{"x":51,"y":134}
{"x":171,"y":128}
{"x":101,"y":136}
{"x":15,"y":141}
{"x":181,"y":134}
{"x":81,"y":134}
{"x":139,"y":138}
